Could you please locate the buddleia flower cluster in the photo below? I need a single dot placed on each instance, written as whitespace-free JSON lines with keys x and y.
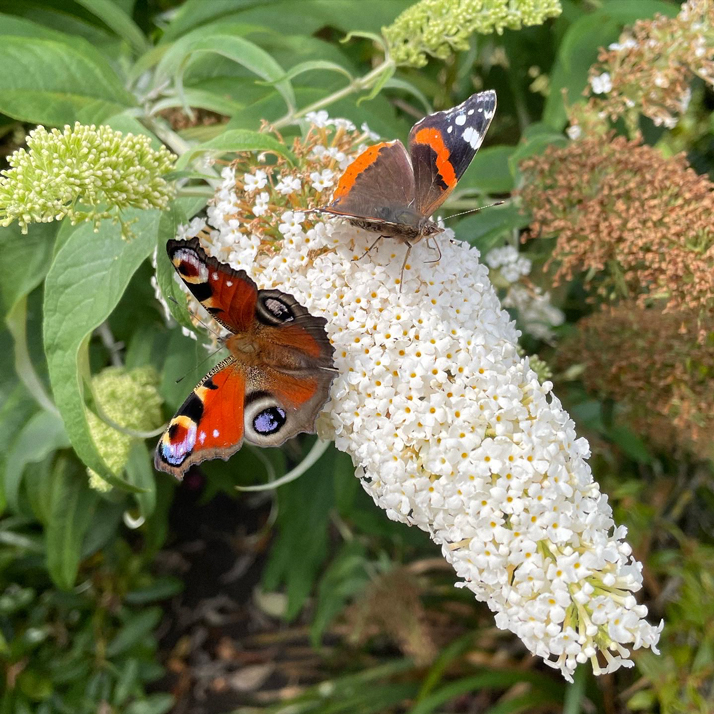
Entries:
{"x":448,"y":428}
{"x":651,"y":363}
{"x":86,"y":173}
{"x":651,"y":68}
{"x":129,"y":398}
{"x":441,"y":27}
{"x":653,"y":239}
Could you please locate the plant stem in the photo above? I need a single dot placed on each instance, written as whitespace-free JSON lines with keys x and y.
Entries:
{"x":356,"y":85}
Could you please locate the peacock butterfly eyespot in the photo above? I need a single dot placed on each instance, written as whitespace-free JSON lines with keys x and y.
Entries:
{"x":269,"y":421}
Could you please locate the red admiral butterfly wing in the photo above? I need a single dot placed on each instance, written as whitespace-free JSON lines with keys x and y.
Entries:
{"x":442,"y":145}
{"x":275,"y":381}
{"x":377,"y":186}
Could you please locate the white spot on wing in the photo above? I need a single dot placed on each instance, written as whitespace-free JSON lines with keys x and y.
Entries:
{"x":460,"y":120}
{"x":202,"y":436}
{"x":229,"y":283}
{"x":471,"y":136}
{"x":216,"y":433}
{"x":470,"y":112}
{"x":449,"y":130}
{"x":214,"y":276}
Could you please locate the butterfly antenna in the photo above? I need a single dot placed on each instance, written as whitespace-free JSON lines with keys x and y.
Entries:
{"x":200,"y":321}
{"x":196,"y":366}
{"x":474,"y":210}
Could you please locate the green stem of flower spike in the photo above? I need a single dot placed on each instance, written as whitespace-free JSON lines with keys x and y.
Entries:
{"x":381,"y":72}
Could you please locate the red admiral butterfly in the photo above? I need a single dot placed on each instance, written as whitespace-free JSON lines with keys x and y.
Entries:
{"x":394,"y":193}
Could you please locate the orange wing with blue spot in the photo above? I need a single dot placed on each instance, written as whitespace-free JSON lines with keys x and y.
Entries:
{"x":442,"y":145}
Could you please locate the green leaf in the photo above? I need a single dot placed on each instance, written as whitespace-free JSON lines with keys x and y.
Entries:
{"x":30,"y":254}
{"x":487,"y":680}
{"x":30,"y":257}
{"x":54,"y":83}
{"x":115,"y":18}
{"x":72,"y":503}
{"x":154,"y":704}
{"x":485,"y":229}
{"x":227,"y":41}
{"x":160,"y":589}
{"x":137,"y":626}
{"x":489,"y":171}
{"x":86,"y":281}
{"x":345,"y":578}
{"x":397,"y":83}
{"x":536,"y":145}
{"x":21,"y":27}
{"x":310,"y":66}
{"x":140,"y":473}
{"x":200,"y":99}
{"x":303,"y":520}
{"x":17,"y":325}
{"x":193,"y":13}
{"x":377,"y":87}
{"x":42,"y":435}
{"x":237,"y":140}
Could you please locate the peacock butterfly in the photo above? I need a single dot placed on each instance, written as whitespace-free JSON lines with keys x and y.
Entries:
{"x":271,"y":386}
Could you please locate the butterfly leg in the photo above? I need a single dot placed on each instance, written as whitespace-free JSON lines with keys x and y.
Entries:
{"x":433,"y":243}
{"x":404,"y":264}
{"x":369,"y":250}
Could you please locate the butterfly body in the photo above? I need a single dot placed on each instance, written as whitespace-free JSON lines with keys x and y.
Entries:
{"x":274,"y":381}
{"x":394,"y":192}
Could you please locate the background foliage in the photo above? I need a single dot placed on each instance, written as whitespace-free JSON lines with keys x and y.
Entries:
{"x":123,"y":591}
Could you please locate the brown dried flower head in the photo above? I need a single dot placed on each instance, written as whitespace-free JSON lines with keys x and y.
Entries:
{"x":650,"y":69}
{"x":638,"y":224}
{"x":655,"y":365}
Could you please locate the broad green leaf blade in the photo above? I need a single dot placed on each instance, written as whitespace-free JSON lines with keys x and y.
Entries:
{"x":194,"y":13}
{"x":54,"y":83}
{"x":42,"y":435}
{"x":85,"y":283}
{"x":226,"y":40}
{"x":489,"y":171}
{"x":485,"y":229}
{"x":72,"y":503}
{"x":115,"y":18}
{"x":250,"y":56}
{"x":20,"y":27}
{"x":17,"y":325}
{"x":237,"y":140}
{"x":199,"y":99}
{"x":30,"y":257}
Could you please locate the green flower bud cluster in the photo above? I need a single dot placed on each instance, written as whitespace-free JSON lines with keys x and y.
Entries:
{"x":442,"y":27}
{"x":85,"y":172}
{"x":130,"y":399}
